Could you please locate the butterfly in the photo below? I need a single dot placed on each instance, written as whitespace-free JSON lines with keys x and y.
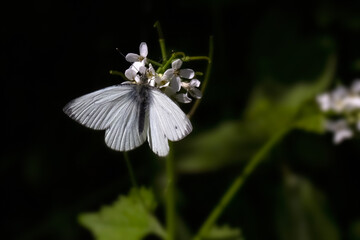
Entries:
{"x":130,"y":114}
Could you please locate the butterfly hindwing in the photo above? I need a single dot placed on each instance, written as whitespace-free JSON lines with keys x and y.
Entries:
{"x":167,"y":122}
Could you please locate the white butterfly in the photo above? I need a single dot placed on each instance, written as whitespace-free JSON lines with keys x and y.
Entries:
{"x":130,"y":114}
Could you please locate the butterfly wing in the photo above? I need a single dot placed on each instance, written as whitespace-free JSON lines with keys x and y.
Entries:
{"x":113,"y":108}
{"x":166,"y":122}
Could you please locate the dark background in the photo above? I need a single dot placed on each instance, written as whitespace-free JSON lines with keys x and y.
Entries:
{"x":51,"y":168}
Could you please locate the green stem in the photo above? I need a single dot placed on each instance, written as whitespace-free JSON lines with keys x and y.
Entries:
{"x":238,"y":183}
{"x":170,"y":197}
{"x":207,"y":76}
{"x":195,"y":58}
{"x":154,"y":62}
{"x":117,"y":73}
{"x":161,"y":41}
{"x":159,"y":229}
{"x":168,"y":62}
{"x":131,"y":172}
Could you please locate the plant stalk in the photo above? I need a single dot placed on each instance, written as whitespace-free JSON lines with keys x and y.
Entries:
{"x":206,"y":77}
{"x":239,"y":182}
{"x":170,"y":197}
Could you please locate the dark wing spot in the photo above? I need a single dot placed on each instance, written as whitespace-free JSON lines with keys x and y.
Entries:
{"x":164,"y":136}
{"x":176,"y":127}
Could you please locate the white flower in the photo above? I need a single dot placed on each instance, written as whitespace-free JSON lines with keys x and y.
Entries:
{"x":340,"y":129}
{"x":351,"y":103}
{"x":161,"y":81}
{"x":174,"y":74}
{"x":152,"y":76}
{"x":337,"y":98}
{"x":345,"y":103}
{"x":133,"y":75}
{"x":191,"y":88}
{"x":136,"y":59}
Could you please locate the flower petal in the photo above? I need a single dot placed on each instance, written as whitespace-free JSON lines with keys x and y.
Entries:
{"x":138,"y":79}
{"x":132,"y":57}
{"x":152,"y":82}
{"x":142,"y":69}
{"x":130,"y":74}
{"x":196,"y":93}
{"x":175,"y":83}
{"x":143,"y":49}
{"x":137,"y":65}
{"x":324,"y":102}
{"x":194,"y":83}
{"x":183,"y":98}
{"x":341,"y":135}
{"x":151,"y":70}
{"x":168,"y":74}
{"x":339,"y":93}
{"x":169,"y":91}
{"x":161,"y":83}
{"x":351,"y":103}
{"x":176,"y":64}
{"x":187,"y":73}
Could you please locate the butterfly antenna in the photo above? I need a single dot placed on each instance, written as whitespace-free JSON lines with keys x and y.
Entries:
{"x":118,"y":50}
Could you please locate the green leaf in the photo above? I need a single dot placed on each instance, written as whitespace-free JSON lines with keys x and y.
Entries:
{"x":127,"y":218}
{"x":270,"y":110}
{"x":313,"y":123}
{"x":302,"y":211}
{"x":224,"y":233}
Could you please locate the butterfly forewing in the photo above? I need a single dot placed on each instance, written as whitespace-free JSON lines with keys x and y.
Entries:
{"x":114,"y":109}
{"x":123,"y":133}
{"x":98,"y":109}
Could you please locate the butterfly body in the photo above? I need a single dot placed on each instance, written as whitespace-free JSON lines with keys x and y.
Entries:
{"x":140,"y":95}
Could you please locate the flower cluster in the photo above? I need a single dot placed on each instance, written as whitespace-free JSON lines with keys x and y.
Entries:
{"x":344,"y":104}
{"x":171,"y":81}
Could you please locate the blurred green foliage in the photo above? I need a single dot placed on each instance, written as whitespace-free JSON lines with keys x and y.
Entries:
{"x":266,"y":114}
{"x":225,"y":233}
{"x":302,"y":211}
{"x":130,"y":217}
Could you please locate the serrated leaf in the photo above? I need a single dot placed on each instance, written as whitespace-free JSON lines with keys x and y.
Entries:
{"x":224,"y":233}
{"x":127,"y":218}
{"x":302,"y":212}
{"x":270,"y":110}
